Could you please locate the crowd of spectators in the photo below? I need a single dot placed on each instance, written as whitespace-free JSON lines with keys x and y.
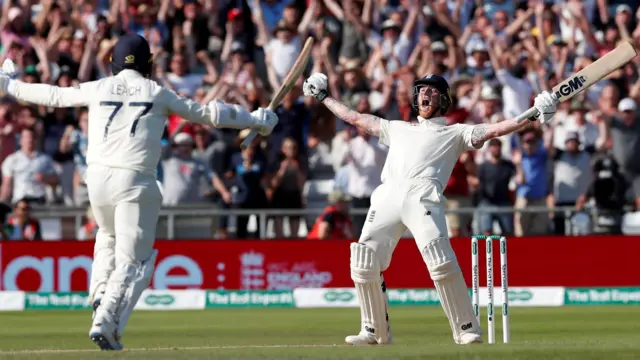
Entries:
{"x":496,"y":54}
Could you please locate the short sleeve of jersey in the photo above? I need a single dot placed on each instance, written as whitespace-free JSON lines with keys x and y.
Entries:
{"x":385,"y":132}
{"x":7,"y":165}
{"x":466,"y":132}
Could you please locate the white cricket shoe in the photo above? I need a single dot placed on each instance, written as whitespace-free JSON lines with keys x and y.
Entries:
{"x":103,"y":331}
{"x":470,"y":338}
{"x":364,"y":338}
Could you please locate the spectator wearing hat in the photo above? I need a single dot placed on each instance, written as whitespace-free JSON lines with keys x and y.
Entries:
{"x":478,"y":62}
{"x":21,"y":225}
{"x":571,"y":177}
{"x":623,"y":130}
{"x":334,"y":222}
{"x":397,"y":38}
{"x":182,"y":175}
{"x":350,"y":81}
{"x":494,"y":177}
{"x":27,"y":172}
{"x":532,"y":184}
{"x":490,"y":103}
{"x":281,"y":51}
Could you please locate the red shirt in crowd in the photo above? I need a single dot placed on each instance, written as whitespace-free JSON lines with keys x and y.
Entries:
{"x":339,"y":223}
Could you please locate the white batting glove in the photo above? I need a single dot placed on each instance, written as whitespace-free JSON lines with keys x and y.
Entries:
{"x":264,"y":121}
{"x":546,"y":104}
{"x":316,"y":86}
{"x":9,"y":70}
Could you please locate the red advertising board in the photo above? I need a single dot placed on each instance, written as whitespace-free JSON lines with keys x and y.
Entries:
{"x":546,"y":261}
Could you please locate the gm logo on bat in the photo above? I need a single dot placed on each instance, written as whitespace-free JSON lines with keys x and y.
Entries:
{"x":571,"y":86}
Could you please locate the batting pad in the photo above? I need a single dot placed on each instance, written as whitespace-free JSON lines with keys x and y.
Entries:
{"x":365,"y":272}
{"x":139,"y":283}
{"x":454,"y":296}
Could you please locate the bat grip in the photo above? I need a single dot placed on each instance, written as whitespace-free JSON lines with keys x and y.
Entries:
{"x":529,"y":114}
{"x":247,"y":141}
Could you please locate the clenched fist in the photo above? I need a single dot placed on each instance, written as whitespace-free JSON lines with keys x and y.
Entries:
{"x":316,"y":86}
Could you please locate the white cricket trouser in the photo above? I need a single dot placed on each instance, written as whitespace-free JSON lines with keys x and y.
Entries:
{"x":396,"y":206}
{"x":126,"y":205}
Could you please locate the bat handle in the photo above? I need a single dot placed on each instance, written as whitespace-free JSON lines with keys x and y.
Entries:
{"x":247,"y":141}
{"x":531,"y":113}
{"x":252,"y":135}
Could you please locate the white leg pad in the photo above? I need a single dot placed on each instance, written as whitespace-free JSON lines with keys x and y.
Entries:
{"x":454,"y":296}
{"x":125,"y":287}
{"x":365,"y":272}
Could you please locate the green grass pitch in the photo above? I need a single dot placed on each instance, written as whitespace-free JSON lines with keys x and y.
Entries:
{"x":588,"y":332}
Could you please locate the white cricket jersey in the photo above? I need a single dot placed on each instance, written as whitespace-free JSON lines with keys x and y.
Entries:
{"x":425,"y":150}
{"x":127,"y":115}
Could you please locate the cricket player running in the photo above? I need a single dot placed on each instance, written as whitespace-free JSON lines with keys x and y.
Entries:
{"x":419,"y":163}
{"x":127,"y":116}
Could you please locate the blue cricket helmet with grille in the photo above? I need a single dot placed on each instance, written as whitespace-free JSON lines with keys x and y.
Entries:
{"x":443,"y":101}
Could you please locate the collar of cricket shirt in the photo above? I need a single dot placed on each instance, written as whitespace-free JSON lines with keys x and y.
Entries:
{"x":438,"y":120}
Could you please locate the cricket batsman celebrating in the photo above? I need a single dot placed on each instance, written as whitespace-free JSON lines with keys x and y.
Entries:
{"x":127,"y":116}
{"x":419,"y":163}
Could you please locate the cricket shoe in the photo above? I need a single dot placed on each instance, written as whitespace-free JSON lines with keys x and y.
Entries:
{"x":470,"y":338}
{"x":103,"y":331}
{"x":364,"y":338}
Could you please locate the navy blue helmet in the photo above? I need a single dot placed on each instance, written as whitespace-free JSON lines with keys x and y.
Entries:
{"x":132,"y":51}
{"x":443,"y":98}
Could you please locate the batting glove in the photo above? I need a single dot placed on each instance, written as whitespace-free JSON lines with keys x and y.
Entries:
{"x":264,"y":121}
{"x":316,"y":86}
{"x":546,"y":104}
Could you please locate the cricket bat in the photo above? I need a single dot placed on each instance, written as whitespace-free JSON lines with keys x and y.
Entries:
{"x":289,"y":81}
{"x":586,"y":77}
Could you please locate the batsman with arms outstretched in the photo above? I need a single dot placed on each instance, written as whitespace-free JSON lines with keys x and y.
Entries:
{"x":418,"y":166}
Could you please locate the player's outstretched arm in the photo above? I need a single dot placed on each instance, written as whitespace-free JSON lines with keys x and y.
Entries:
{"x":42,"y":94}
{"x":545,"y":103}
{"x":316,"y":86}
{"x":220,"y":114}
{"x":367,"y":122}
